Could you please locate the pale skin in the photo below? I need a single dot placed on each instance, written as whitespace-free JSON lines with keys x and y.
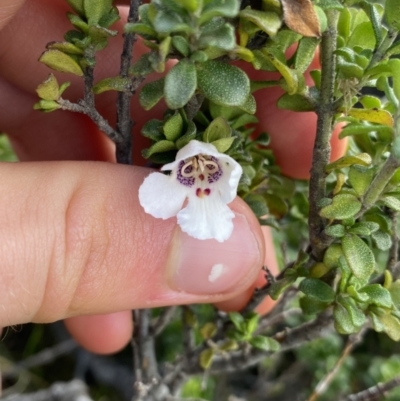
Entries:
{"x":74,"y":241}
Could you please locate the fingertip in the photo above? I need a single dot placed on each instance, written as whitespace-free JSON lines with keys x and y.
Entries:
{"x":240,"y":301}
{"x":102,"y":334}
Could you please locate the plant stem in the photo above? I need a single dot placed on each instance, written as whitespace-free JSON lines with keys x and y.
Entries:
{"x":123,"y":151}
{"x":323,"y":384}
{"x":95,"y":116}
{"x":322,"y":149}
{"x":379,"y":183}
{"x":374,"y":393}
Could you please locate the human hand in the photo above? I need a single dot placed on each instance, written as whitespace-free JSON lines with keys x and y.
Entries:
{"x":74,"y":239}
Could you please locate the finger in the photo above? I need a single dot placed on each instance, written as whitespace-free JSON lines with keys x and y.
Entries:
{"x":102,"y":334}
{"x":292,"y":133}
{"x":8,"y":8}
{"x":270,"y":261}
{"x":58,"y":135}
{"x":74,"y":241}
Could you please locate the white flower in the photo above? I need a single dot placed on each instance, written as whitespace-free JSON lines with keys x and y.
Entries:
{"x":207,"y":179}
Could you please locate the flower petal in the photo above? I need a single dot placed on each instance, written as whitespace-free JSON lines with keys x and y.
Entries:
{"x":229,"y":180}
{"x":161,"y":195}
{"x":206,"y":218}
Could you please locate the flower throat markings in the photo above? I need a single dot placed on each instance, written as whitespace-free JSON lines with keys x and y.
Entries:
{"x":200,"y":170}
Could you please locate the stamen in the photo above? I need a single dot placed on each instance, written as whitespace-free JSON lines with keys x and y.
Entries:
{"x":185,"y":166}
{"x":211,"y":164}
{"x":199,"y":192}
{"x":207,"y":191}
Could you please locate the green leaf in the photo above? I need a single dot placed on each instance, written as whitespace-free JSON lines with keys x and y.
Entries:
{"x":370,"y":102}
{"x":362,"y":159}
{"x":78,"y":23}
{"x":189,"y":135}
{"x":359,"y":257}
{"x":332,"y":256}
{"x":151,"y":94}
{"x":219,"y":8}
{"x":229,"y":345}
{"x":218,"y":129}
{"x":158,"y":147}
{"x":391,"y":326}
{"x":335,"y":231}
{"x":360,"y":129}
{"x":252,"y":323}
{"x":360,"y":178}
{"x":60,"y":61}
{"x":268,"y":22}
{"x":49,"y":89}
{"x":392,"y":14}
{"x":95,"y":10}
{"x":46,"y":106}
{"x":295,"y":103}
{"x":223,"y":37}
{"x":377,"y":295}
{"x":288,"y":74}
{"x":237,"y":319}
{"x":206,"y":358}
{"x":364,"y":228}
{"x":343,"y":320}
{"x":65,"y":47}
{"x":395,"y":293}
{"x":222,"y":83}
{"x":223,"y":144}
{"x":120,"y":84}
{"x":265,"y":343}
{"x":343,"y":206}
{"x":318,"y":289}
{"x":278,"y":287}
{"x":180,"y":84}
{"x":391,"y":202}
{"x":395,"y":66}
{"x":312,"y":306}
{"x":153,"y":129}
{"x":363,"y":35}
{"x":208,"y":330}
{"x":382,"y":240}
{"x":173,"y":127}
{"x":167,"y":21}
{"x":372,"y":115}
{"x":77,"y":6}
{"x":189,"y":5}
{"x":141,"y":29}
{"x":305,"y":53}
{"x":181,"y":44}
{"x":349,"y":70}
{"x":249,"y":106}
{"x":257,"y":204}
{"x":142,"y":67}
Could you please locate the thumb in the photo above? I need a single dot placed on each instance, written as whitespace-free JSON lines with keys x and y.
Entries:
{"x":8,"y":8}
{"x":75,"y":241}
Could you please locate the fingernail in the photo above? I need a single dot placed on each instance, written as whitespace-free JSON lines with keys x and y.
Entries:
{"x":209,"y":267}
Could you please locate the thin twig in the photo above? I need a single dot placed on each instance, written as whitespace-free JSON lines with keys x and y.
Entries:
{"x":394,"y":249}
{"x":124,"y":122}
{"x":95,"y":116}
{"x":322,"y":149}
{"x":374,"y":393}
{"x":163,"y":320}
{"x":268,"y":322}
{"x":289,"y":339}
{"x":75,"y":390}
{"x":259,"y":294}
{"x":146,"y":369}
{"x":43,"y":357}
{"x":323,"y":384}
